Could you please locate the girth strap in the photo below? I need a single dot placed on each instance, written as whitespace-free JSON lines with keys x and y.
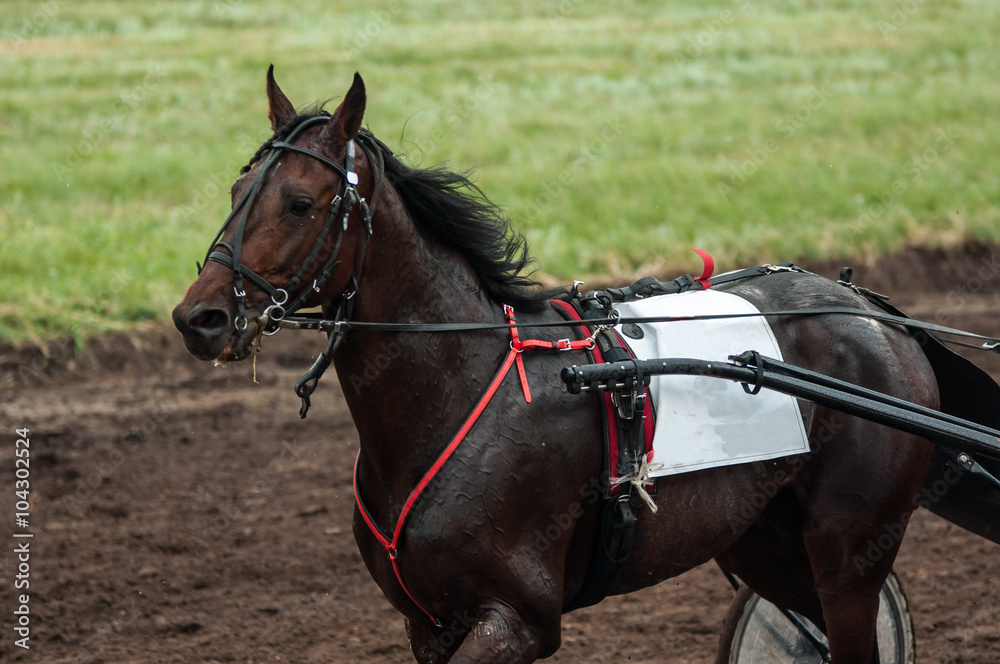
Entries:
{"x":626,"y":437}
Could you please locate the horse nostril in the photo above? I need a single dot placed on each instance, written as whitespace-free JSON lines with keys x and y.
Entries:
{"x":209,"y":322}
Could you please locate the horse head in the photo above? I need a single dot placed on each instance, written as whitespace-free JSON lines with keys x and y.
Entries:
{"x":298,"y":229}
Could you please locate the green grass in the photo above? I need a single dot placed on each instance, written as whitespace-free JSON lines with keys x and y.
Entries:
{"x":616,"y":134}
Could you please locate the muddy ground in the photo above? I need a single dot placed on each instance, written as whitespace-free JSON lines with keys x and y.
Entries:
{"x":182,"y":513}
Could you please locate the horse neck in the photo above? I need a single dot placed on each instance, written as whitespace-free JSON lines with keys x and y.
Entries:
{"x":408,"y":393}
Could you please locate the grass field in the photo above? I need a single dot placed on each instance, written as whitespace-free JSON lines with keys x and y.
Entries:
{"x":617,"y":134}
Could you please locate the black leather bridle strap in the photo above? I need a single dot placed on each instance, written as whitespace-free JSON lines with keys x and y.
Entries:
{"x":338,"y":212}
{"x":253,"y":277}
{"x":285,"y":145}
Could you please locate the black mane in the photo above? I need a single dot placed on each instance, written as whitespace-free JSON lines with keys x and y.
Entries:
{"x":451,"y":209}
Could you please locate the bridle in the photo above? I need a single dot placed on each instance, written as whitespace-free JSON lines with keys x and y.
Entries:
{"x":339,"y":211}
{"x":338,"y":214}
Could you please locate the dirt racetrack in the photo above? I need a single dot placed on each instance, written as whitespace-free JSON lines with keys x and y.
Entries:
{"x":181,"y":513}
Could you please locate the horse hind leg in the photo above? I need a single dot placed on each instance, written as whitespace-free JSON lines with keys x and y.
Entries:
{"x":855,"y":509}
{"x":771,"y":558}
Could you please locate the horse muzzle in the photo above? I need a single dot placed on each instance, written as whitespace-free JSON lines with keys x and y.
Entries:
{"x":210,"y":333}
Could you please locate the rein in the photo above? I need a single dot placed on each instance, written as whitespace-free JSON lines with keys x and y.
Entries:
{"x":306,"y":322}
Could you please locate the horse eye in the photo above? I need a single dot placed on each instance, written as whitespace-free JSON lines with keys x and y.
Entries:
{"x":300,"y":206}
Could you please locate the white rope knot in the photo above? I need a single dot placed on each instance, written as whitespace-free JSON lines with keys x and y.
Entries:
{"x":640,"y":479}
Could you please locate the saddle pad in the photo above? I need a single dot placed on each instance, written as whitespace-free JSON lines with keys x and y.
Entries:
{"x":704,"y":422}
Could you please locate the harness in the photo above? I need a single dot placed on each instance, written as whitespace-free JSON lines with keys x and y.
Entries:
{"x":592,"y":314}
{"x":517,"y":347}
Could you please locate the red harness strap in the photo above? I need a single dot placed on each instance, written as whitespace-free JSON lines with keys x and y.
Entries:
{"x":517,"y":346}
{"x":706,"y":274}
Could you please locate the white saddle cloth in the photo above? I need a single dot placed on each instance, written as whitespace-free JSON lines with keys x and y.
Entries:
{"x":704,"y":422}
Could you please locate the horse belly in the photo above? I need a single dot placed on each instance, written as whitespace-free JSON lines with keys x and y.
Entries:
{"x":700,"y":515}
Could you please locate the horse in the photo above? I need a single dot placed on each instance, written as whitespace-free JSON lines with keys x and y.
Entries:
{"x":498,"y":541}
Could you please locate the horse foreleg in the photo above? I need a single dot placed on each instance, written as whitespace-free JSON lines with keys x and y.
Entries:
{"x":500,"y":635}
{"x":433,"y":645}
{"x":854,"y":519}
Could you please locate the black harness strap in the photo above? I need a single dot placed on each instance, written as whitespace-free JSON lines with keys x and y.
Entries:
{"x":651,"y":286}
{"x":616,"y":533}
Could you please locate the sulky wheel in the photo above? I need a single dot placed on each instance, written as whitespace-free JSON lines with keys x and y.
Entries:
{"x":757,"y":632}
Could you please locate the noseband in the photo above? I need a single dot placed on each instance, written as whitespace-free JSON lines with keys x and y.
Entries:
{"x":340,"y":208}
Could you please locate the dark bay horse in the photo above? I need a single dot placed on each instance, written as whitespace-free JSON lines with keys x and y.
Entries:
{"x":500,"y":540}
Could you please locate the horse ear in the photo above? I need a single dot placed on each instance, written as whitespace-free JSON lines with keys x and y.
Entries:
{"x":346,"y":120}
{"x":279,"y":110}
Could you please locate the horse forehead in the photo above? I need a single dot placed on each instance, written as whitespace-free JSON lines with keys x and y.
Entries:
{"x":290,"y":170}
{"x":292,"y":166}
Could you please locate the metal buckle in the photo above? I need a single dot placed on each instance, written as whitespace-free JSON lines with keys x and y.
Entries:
{"x":239,"y":293}
{"x":564,"y":345}
{"x":630,"y":403}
